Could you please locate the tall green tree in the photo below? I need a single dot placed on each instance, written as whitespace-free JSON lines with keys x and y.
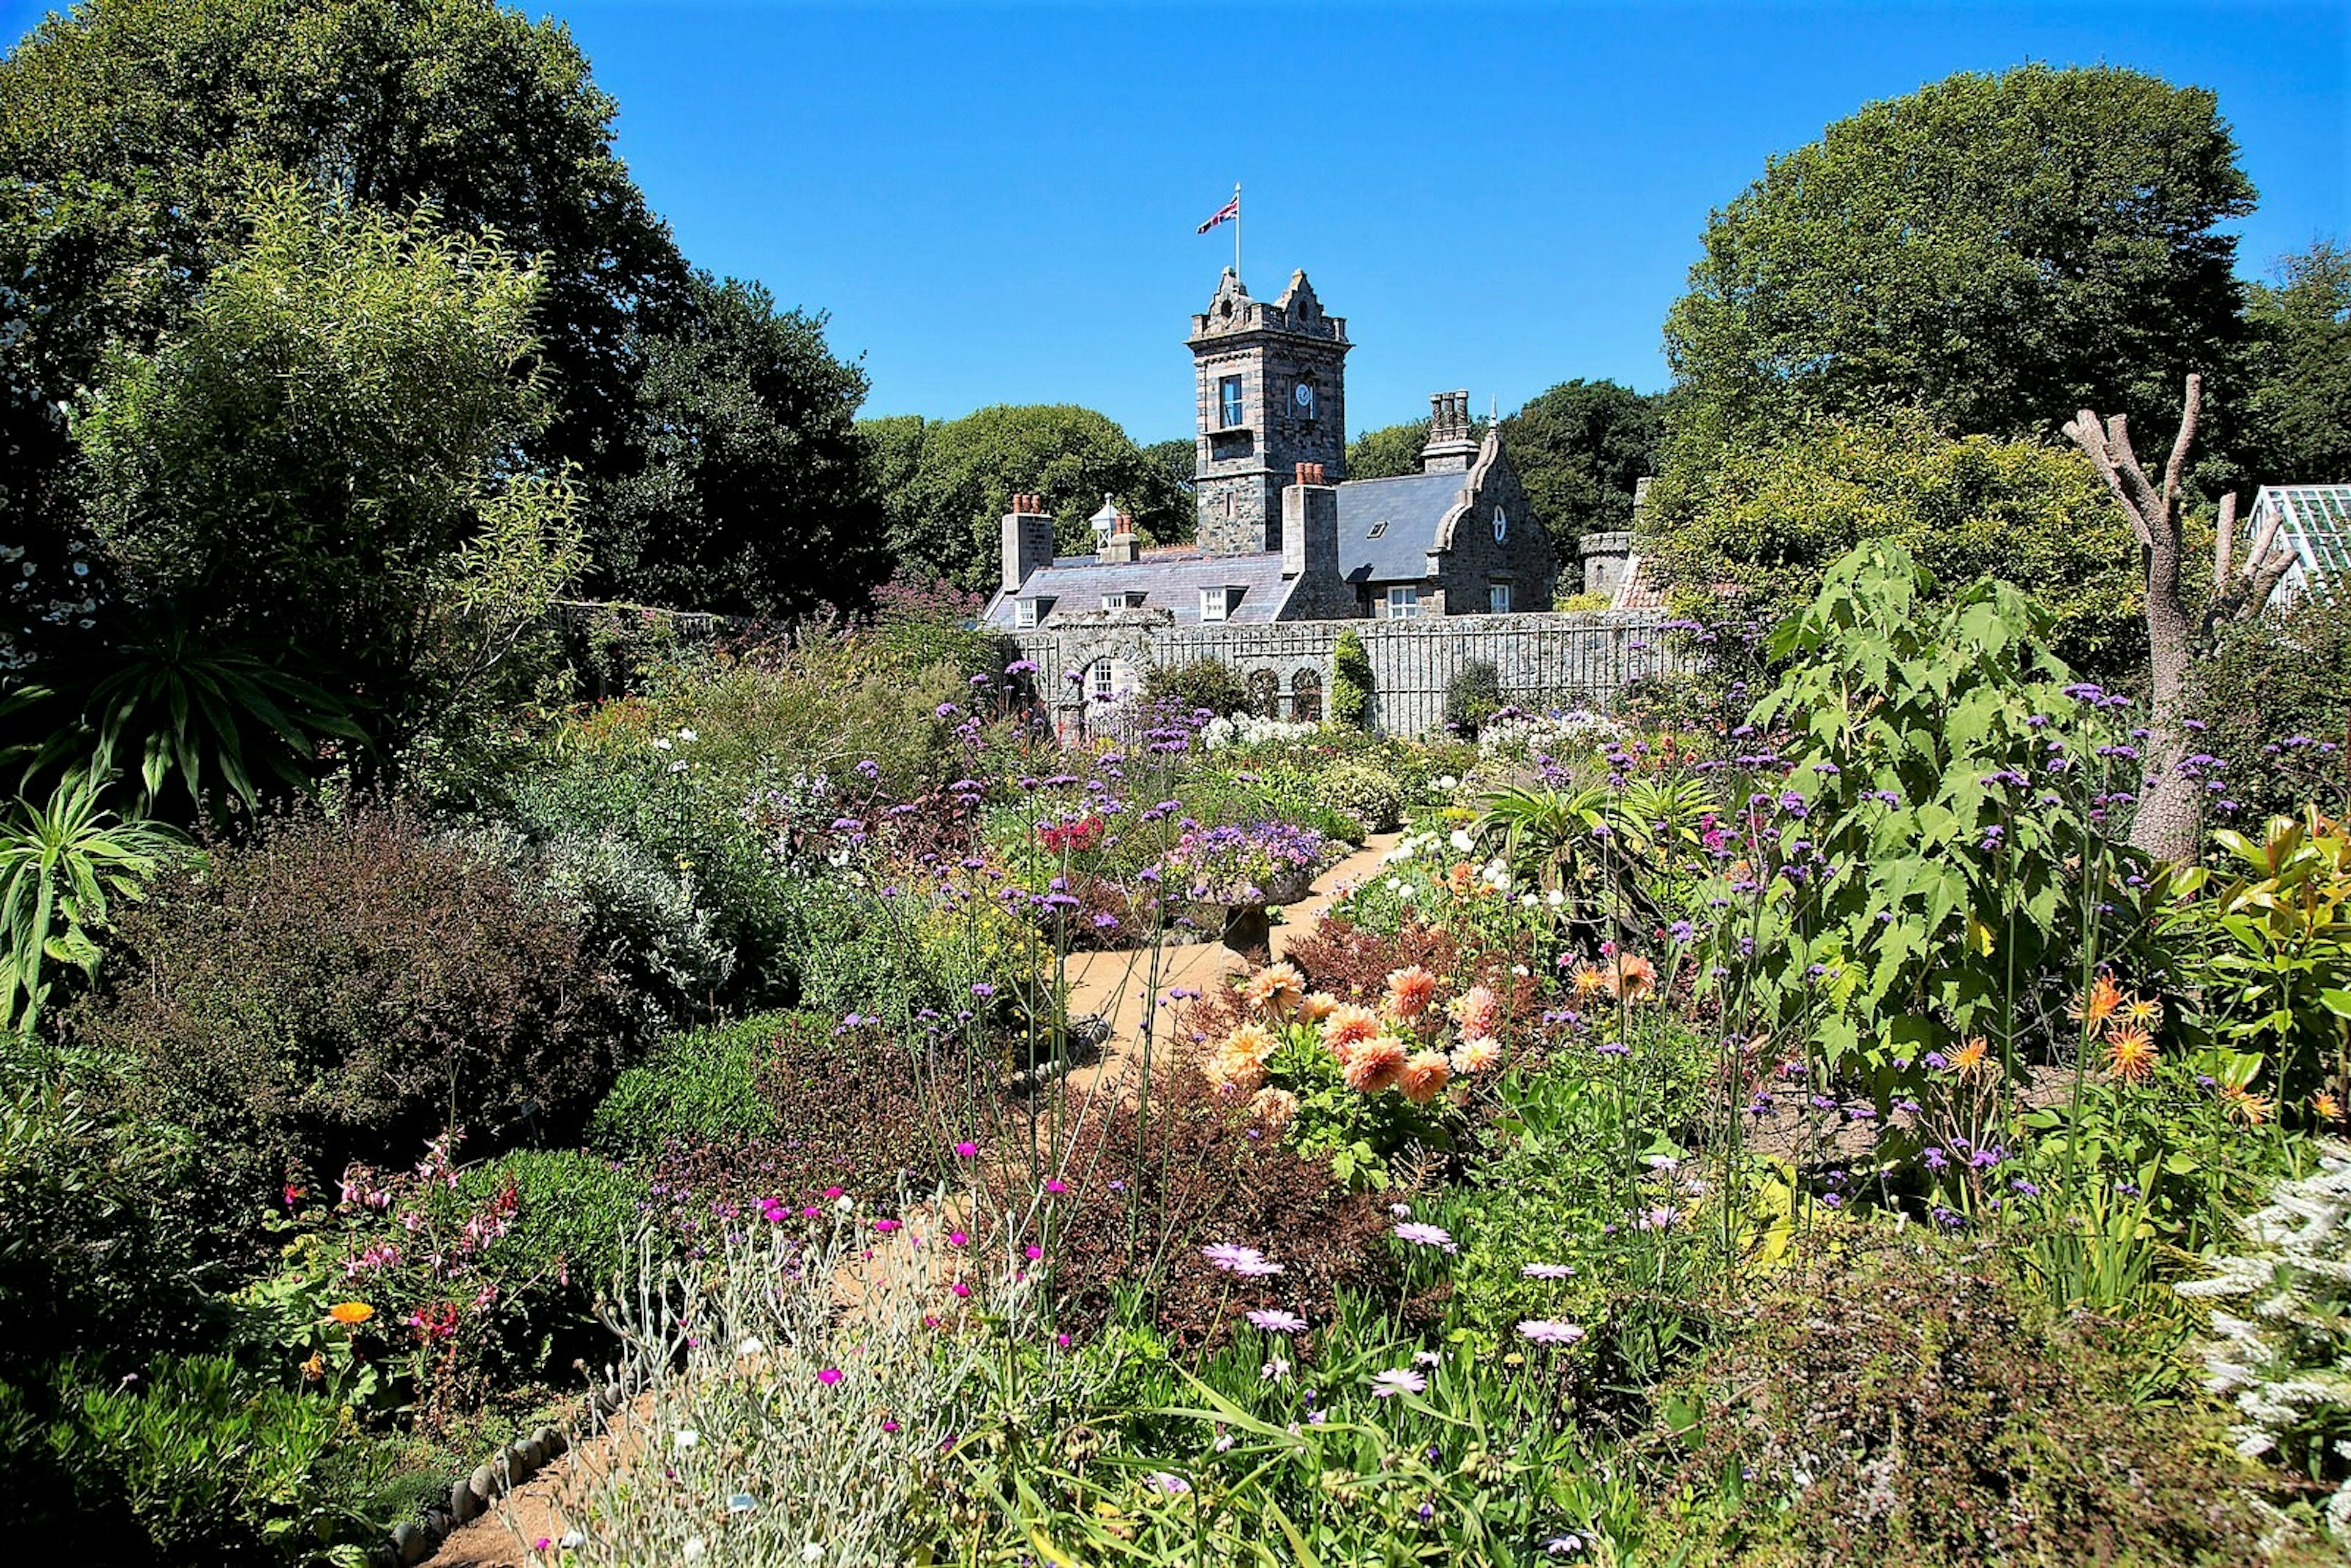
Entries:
{"x":747,"y":490}
{"x":1993,"y":250}
{"x":1387,"y":452}
{"x":315,"y":472}
{"x":1579,"y":449}
{"x":947,"y":518}
{"x":2298,"y":412}
{"x":131,"y":132}
{"x":1760,"y":529}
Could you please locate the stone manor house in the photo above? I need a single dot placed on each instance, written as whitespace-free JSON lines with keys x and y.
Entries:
{"x":1436,"y":570}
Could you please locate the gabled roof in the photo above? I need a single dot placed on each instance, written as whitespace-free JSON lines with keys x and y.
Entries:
{"x":1413,"y":506}
{"x":2314,"y":522}
{"x":1170,"y":581}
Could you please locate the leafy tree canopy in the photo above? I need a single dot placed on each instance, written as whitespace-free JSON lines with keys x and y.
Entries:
{"x":1390,"y":450}
{"x":317,"y":460}
{"x":968,"y":470}
{"x":1579,"y":449}
{"x":1768,"y":521}
{"x":1997,"y":251}
{"x":2298,"y":401}
{"x":750,"y":491}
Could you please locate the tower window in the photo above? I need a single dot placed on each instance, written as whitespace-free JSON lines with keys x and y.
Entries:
{"x":1228,"y":400}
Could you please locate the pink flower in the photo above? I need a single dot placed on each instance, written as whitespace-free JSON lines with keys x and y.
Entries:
{"x":957,"y":1238}
{"x":967,"y":1150}
{"x":831,"y":1192}
{"x":830,"y":1375}
{"x":885,"y":1226}
{"x":888,"y":1425}
{"x":962,"y":1289}
{"x":1032,"y":1252}
{"x":1056,"y":1184}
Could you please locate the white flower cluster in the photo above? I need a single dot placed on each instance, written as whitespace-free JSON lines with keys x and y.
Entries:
{"x":2288,"y":1359}
{"x":1551,"y":735}
{"x":1247,"y":729}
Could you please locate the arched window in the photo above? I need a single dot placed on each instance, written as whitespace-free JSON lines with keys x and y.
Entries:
{"x":1265,"y":694}
{"x":1306,"y":698}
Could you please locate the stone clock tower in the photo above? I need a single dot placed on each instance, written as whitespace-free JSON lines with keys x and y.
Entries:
{"x":1270,"y":390}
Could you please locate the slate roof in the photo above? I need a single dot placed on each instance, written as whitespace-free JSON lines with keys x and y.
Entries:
{"x":1171,"y":582}
{"x":1412,"y":504}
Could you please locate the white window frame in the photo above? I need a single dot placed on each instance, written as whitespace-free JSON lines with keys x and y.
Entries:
{"x":1127,"y":600}
{"x":1101,"y":681}
{"x":1027,"y":613}
{"x":1216,"y":603}
{"x":1497,"y":599}
{"x":1232,"y":404}
{"x":1403,"y":602}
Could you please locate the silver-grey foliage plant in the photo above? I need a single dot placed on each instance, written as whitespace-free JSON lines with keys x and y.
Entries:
{"x":2286,"y":1363}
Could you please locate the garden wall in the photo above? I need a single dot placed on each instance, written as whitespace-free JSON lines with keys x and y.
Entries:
{"x":1583,"y":658}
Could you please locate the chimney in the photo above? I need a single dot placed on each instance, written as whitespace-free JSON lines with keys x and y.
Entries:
{"x":1120,"y":547}
{"x":1027,"y":540}
{"x":1310,"y":548}
{"x":1451,"y":449}
{"x":1641,"y":505}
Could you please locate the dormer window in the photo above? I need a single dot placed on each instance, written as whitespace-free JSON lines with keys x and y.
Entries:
{"x":1217,"y":603}
{"x":1130,"y":600}
{"x":1378,"y":528}
{"x":1030,"y":613}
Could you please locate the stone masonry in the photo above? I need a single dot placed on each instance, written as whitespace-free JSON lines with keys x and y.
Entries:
{"x":1269,"y":393}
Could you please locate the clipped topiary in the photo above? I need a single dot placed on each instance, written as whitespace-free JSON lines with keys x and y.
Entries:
{"x":1351,"y":681}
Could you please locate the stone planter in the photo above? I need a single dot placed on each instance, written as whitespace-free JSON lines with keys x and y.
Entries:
{"x":1244,"y":926}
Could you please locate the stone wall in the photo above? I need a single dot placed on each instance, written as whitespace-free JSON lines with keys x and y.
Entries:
{"x":1583,"y":657}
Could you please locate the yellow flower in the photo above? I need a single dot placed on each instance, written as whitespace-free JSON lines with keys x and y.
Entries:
{"x":2328,"y":1106}
{"x":2130,"y":1054}
{"x":351,"y":1312}
{"x":2142,"y":1012}
{"x":1589,"y":981}
{"x":2244,"y":1105}
{"x":1973,"y":1059}
{"x":2097,"y":1005}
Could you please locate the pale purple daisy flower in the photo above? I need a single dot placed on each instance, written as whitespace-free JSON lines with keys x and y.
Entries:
{"x":1397,"y":1380}
{"x":1233,"y":1258}
{"x":1273,"y":1320}
{"x":1424,"y":1235}
{"x":1549,"y":1331}
{"x":1547,"y":1271}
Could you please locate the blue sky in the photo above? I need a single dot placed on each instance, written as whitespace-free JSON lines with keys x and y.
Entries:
{"x":997,"y":204}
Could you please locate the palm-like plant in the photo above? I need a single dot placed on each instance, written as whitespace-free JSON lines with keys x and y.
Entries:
{"x":61,"y":864}
{"x":1568,"y":839}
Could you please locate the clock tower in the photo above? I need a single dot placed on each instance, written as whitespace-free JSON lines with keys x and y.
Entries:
{"x":1269,"y":385}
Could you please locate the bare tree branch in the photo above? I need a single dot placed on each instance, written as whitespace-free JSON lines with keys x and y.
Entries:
{"x":2191,"y":406}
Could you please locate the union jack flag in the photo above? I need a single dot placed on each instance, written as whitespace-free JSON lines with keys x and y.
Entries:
{"x":1223,"y":214}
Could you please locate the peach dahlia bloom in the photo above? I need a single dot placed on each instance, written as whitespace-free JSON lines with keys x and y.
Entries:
{"x":1316,"y":1006}
{"x":1410,"y":992}
{"x":1478,"y":1013}
{"x":1347,"y":1026}
{"x":1238,"y":1063}
{"x":1477,"y":1054}
{"x":1632,"y":977}
{"x":1275,"y":989}
{"x":1275,"y":1107}
{"x":1425,"y":1076}
{"x":1375,"y":1064}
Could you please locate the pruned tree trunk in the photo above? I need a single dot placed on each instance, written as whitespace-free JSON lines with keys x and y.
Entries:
{"x":2169,"y":822}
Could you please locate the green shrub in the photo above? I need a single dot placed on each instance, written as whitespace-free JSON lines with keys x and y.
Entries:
{"x":92,"y":1259}
{"x":1471,"y":697}
{"x":341,"y":989}
{"x":1207,"y":684}
{"x":2273,"y":694}
{"x":1351,"y":681}
{"x":1366,"y":792}
{"x":194,"y":1463}
{"x":698,"y":1086}
{"x":1925,"y":1410}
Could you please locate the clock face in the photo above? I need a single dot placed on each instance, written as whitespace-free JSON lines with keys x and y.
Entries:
{"x":1305,"y":395}
{"x":1502,"y":524}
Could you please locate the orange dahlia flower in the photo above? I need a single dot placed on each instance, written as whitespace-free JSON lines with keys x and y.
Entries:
{"x":1316,"y":1006}
{"x":1274,"y":989}
{"x":2130,"y":1054}
{"x":1375,"y":1064}
{"x":1632,"y":977}
{"x":1424,"y":1077}
{"x":2094,"y":1006}
{"x":1478,"y":1013}
{"x":1347,"y":1026}
{"x":1478,"y":1054}
{"x":1277,"y":1108}
{"x":1410,"y":992}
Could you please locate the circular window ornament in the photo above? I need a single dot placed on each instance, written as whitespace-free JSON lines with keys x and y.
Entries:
{"x":1305,"y":395}
{"x":1501,"y":525}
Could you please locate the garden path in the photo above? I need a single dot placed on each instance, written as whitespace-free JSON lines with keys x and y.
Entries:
{"x":1115,"y":985}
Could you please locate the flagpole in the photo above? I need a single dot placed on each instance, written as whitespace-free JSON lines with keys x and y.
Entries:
{"x":1237,"y":232}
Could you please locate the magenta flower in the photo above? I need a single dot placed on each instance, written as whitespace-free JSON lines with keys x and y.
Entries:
{"x":1397,"y":1380}
{"x":829,"y":1376}
{"x":961,"y":1288}
{"x":885,"y":1226}
{"x":1057,"y":1184}
{"x":957,"y":1238}
{"x":967,"y":1150}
